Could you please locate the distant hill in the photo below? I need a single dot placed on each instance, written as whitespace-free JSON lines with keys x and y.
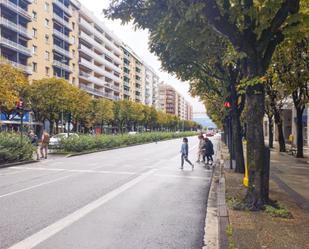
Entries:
{"x":204,"y":121}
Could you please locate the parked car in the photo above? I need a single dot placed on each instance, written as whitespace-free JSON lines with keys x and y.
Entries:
{"x":55,"y":140}
{"x":132,"y":132}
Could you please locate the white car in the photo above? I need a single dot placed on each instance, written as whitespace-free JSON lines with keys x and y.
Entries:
{"x":132,"y":132}
{"x":55,"y":140}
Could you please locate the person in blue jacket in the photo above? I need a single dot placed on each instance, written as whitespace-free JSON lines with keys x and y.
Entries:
{"x":184,"y":153}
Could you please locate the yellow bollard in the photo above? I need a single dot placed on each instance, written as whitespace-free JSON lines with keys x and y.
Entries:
{"x":246,"y":178}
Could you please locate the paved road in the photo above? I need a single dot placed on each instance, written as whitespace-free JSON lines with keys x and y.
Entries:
{"x":129,"y":198}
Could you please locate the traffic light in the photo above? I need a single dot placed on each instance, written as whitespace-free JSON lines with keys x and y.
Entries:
{"x":227,"y":104}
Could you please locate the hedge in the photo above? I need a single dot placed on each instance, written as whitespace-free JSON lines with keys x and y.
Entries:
{"x":86,"y":143}
{"x":12,"y":150}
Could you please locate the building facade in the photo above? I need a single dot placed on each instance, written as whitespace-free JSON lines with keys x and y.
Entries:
{"x":62,"y":38}
{"x":99,"y":58}
{"x":133,"y":76}
{"x":171,"y":102}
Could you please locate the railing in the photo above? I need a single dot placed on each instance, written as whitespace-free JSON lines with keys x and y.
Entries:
{"x":63,"y":7}
{"x":15,"y":45}
{"x":25,"y":68}
{"x":62,"y":51}
{"x":62,"y":21}
{"x":63,"y":36}
{"x":113,"y":87}
{"x":15,"y":8}
{"x":127,"y":92}
{"x":18,"y":28}
{"x":62,"y":65}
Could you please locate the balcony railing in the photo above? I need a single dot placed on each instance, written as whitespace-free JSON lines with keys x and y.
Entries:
{"x":13,"y":26}
{"x":63,"y":7}
{"x":25,"y":68}
{"x":63,"y":36}
{"x":113,"y":87}
{"x":62,"y":65}
{"x":17,"y":9}
{"x":127,"y":92}
{"x":62,"y":51}
{"x":15,"y":46}
{"x":61,"y":21}
{"x":91,"y":90}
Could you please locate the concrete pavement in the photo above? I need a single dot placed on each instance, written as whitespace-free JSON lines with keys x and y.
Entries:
{"x":133,"y":197}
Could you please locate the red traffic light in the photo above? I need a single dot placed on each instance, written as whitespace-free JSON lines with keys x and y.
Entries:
{"x":227,"y":104}
{"x":20,"y":104}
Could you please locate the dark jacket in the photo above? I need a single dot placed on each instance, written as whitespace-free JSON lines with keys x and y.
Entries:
{"x":208,"y":148}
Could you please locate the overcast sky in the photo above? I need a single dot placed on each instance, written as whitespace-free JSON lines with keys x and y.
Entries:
{"x":138,"y":41}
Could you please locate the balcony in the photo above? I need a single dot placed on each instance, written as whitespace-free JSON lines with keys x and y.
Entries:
{"x":26,"y":69}
{"x":125,"y":83}
{"x":15,"y":46}
{"x":61,"y":21}
{"x":63,"y":7}
{"x":91,"y":90}
{"x":13,"y":26}
{"x":86,"y":25}
{"x":62,"y":66}
{"x":99,"y":58}
{"x":126,"y":92}
{"x":113,"y":87}
{"x":17,"y":9}
{"x":62,"y":51}
{"x":100,"y":47}
{"x":112,"y":76}
{"x":63,"y":36}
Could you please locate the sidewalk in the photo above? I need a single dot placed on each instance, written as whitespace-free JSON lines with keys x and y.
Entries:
{"x":289,"y":185}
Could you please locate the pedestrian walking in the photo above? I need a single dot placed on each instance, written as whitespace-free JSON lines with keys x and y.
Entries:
{"x":35,"y":142}
{"x":184,"y":153}
{"x":44,"y":144}
{"x":200,"y":148}
{"x":208,"y":151}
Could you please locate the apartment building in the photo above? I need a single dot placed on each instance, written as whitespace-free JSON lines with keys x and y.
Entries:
{"x":133,"y":76}
{"x":170,"y":101}
{"x":14,"y":33}
{"x":151,"y":86}
{"x":54,"y":43}
{"x":100,"y":58}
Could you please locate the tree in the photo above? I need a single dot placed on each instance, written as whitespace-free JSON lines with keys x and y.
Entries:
{"x":292,"y":69}
{"x":13,"y":85}
{"x":49,"y":98}
{"x":254,"y":28}
{"x":275,"y":99}
{"x":103,"y":111}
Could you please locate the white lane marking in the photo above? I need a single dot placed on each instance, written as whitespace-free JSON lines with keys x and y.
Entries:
{"x":183,"y":177}
{"x":82,"y":171}
{"x":61,"y":224}
{"x":12,"y":173}
{"x":35,"y":186}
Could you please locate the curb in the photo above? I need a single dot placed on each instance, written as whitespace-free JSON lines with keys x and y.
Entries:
{"x":7,"y":165}
{"x":217,"y":215}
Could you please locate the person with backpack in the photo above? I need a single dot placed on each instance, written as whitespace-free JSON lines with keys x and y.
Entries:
{"x":44,"y":144}
{"x":208,"y":151}
{"x":184,"y":153}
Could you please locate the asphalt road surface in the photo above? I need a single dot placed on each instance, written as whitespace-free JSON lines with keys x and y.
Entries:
{"x":129,"y":198}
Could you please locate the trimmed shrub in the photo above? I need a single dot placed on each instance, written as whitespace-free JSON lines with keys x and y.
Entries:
{"x":11,"y":150}
{"x":85,"y":143}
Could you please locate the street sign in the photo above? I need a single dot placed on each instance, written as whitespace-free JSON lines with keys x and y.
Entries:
{"x":71,"y":126}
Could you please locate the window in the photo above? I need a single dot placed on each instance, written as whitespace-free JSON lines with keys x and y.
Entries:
{"x":46,"y":7}
{"x":47,"y":55}
{"x":34,"y":15}
{"x":46,"y":39}
{"x":34,"y":33}
{"x":34,"y":67}
{"x":46,"y":22}
{"x":47,"y":71}
{"x":34,"y":49}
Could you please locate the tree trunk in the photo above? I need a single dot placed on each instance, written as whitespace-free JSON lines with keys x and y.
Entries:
{"x":236,"y":132}
{"x":281,"y":137}
{"x":299,"y":127}
{"x":255,"y":198}
{"x":270,"y":132}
